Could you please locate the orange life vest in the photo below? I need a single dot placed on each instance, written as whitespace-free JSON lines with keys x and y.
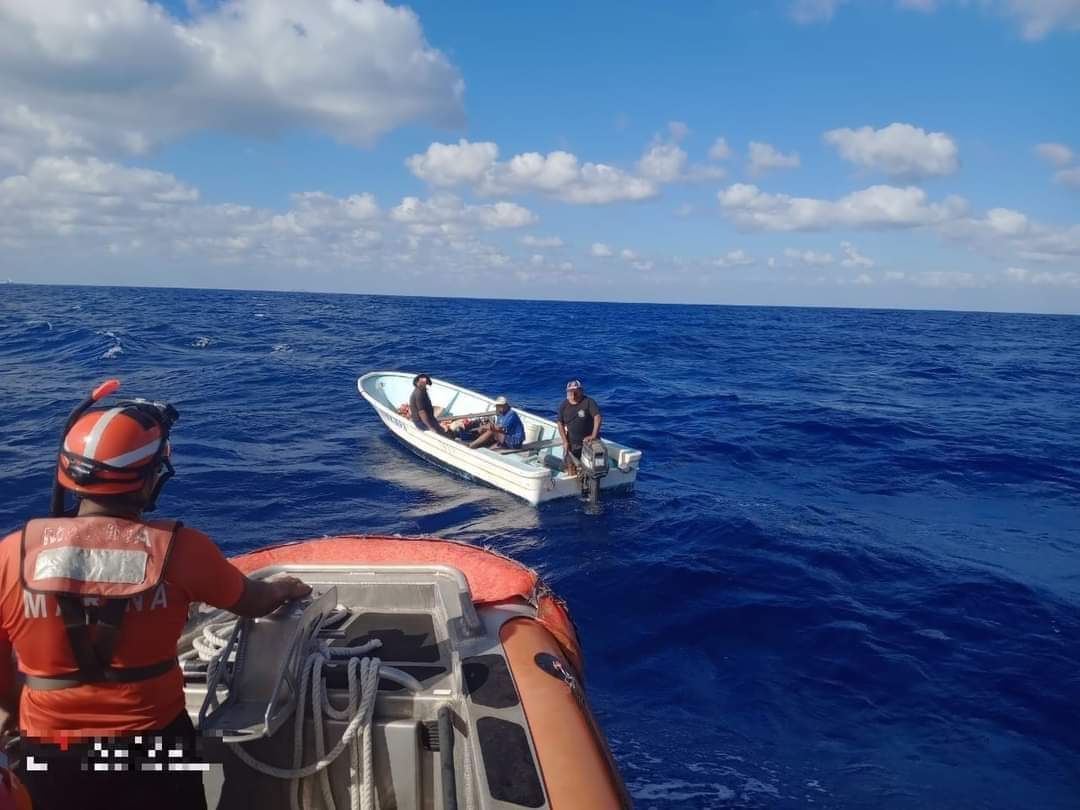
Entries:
{"x":92,"y":566}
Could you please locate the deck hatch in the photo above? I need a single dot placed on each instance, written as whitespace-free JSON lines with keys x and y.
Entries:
{"x":508,"y":760}
{"x":489,"y":683}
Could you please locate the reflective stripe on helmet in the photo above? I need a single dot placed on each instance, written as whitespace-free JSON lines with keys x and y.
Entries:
{"x":132,"y":456}
{"x":93,"y":438}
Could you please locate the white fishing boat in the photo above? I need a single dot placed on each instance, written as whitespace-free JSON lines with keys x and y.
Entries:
{"x":533,"y":472}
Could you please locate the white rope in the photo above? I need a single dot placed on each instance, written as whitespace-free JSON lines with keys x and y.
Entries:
{"x":363,"y":683}
{"x":210,"y":643}
{"x":215,"y":648}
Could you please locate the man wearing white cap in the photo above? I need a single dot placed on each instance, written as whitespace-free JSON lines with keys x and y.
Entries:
{"x":579,"y":422}
{"x":506,"y":429}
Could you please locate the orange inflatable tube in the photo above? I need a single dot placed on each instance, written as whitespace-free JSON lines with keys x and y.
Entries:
{"x":575,"y":764}
{"x":492,"y":578}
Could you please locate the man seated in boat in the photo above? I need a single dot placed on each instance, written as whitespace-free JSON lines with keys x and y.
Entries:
{"x":420,"y":410}
{"x":505,"y":430}
{"x":579,"y":422}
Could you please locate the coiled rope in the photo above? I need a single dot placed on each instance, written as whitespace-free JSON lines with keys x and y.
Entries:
{"x":363,"y":683}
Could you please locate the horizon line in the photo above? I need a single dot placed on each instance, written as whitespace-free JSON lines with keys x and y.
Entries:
{"x":605,"y":302}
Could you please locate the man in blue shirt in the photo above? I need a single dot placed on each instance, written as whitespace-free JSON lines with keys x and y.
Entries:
{"x":506,"y":429}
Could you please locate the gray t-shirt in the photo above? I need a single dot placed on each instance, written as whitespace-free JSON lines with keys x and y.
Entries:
{"x":420,"y":402}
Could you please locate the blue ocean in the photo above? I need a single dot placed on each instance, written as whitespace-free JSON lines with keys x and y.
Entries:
{"x":848,"y":577}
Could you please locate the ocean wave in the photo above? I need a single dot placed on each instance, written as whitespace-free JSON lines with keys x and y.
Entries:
{"x":846,"y":577}
{"x":116,"y":349}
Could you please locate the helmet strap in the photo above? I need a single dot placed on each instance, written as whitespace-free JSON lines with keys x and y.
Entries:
{"x":167,"y":473}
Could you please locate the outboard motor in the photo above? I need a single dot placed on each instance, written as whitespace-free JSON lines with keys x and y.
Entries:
{"x":593,"y":467}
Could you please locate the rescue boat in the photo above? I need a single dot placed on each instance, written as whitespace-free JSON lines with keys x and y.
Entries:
{"x":533,"y":472}
{"x":419,"y":673}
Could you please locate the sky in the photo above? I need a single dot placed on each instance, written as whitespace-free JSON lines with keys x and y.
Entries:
{"x":869,"y":153}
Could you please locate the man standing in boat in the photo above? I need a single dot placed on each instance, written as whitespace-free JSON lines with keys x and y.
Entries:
{"x":507,"y":429}
{"x":420,"y":410}
{"x":579,"y":422}
{"x":93,"y":603}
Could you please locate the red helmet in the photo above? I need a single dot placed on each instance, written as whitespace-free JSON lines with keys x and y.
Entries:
{"x":115,"y":450}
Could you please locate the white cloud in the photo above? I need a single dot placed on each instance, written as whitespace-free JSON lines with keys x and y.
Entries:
{"x":662,"y":162}
{"x":126,"y":75}
{"x":852,"y":257}
{"x":448,"y":214}
{"x":733,"y":258}
{"x":810,"y":11}
{"x":600,"y":250}
{"x":1006,"y":222}
{"x":678,"y":130}
{"x":313,"y":209}
{"x":592,"y":183}
{"x":1069,"y":177}
{"x":874,"y":207}
{"x":1002,"y":230}
{"x":999,"y":230}
{"x":1021,"y":275}
{"x":558,"y":174}
{"x":764,"y":156}
{"x":542,"y":241}
{"x":105,"y":182}
{"x":698,"y":173}
{"x":628,"y":254}
{"x":537,"y":259}
{"x":644,"y":265}
{"x":86,"y":207}
{"x":666,"y":162}
{"x":504,"y":215}
{"x":89,"y":199}
{"x":1056,"y":153}
{"x":24,"y":134}
{"x":809,"y":257}
{"x":945,"y":279}
{"x":899,"y":150}
{"x":450,"y":164}
{"x":719,"y":150}
{"x":1037,"y":18}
